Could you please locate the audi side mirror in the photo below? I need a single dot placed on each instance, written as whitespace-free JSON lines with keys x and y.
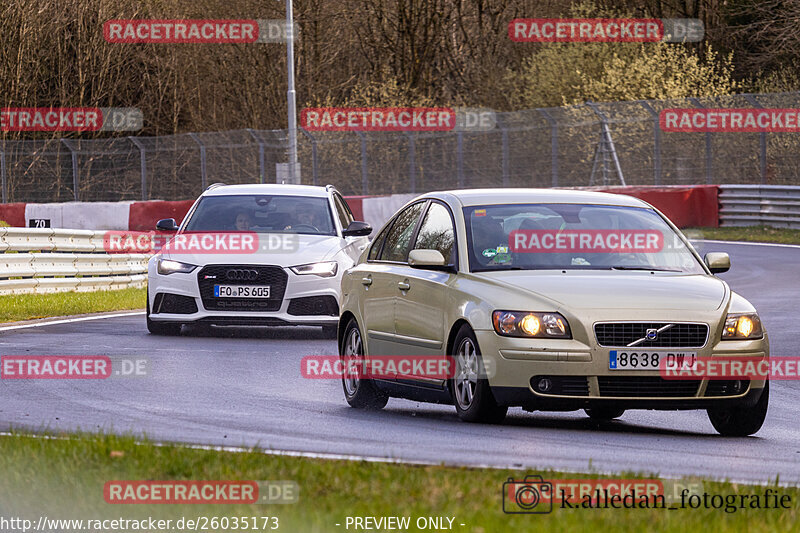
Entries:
{"x":357,"y":229}
{"x":167,"y":224}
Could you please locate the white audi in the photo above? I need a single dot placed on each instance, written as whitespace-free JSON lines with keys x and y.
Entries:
{"x":255,"y":255}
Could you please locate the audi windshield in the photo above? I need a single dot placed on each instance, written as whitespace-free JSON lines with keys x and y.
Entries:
{"x":263,"y":214}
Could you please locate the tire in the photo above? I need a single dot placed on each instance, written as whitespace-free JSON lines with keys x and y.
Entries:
{"x":471,"y":393}
{"x":604,"y":413}
{"x":330,"y":332}
{"x":161,"y":328}
{"x":740,"y":421}
{"x":359,"y":393}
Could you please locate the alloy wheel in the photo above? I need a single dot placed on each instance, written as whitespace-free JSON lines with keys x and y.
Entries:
{"x":466,"y":378}
{"x":353,"y":356}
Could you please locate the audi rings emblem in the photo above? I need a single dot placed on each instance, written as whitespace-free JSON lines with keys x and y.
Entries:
{"x":241,"y":274}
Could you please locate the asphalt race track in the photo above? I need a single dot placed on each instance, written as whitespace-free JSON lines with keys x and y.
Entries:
{"x":242,"y":387}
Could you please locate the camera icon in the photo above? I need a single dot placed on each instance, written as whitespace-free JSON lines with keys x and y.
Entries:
{"x":531,"y":495}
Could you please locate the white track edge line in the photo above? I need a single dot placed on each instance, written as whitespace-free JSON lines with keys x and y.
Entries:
{"x":748,"y":243}
{"x":46,"y":322}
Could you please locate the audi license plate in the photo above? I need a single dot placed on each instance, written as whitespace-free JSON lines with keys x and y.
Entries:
{"x":241,"y":291}
{"x":649,"y":360}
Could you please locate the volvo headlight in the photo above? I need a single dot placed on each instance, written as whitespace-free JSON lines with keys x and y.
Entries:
{"x":741,"y":326}
{"x":169,"y":266}
{"x":530,"y":324}
{"x":326,"y":270}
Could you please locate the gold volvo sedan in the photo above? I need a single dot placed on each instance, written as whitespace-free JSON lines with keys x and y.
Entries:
{"x":546,"y":300}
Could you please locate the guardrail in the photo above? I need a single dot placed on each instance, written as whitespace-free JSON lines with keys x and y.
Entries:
{"x":51,"y":260}
{"x":751,"y":205}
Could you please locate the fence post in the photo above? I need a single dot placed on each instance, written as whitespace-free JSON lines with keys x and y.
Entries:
{"x":501,"y":123}
{"x":656,"y":143}
{"x":3,"y":173}
{"x":762,"y":142}
{"x":709,"y":155}
{"x":412,"y":161}
{"x":261,"y":166}
{"x":364,"y":175}
{"x":203,"y":177}
{"x":314,"y":161}
{"x":142,"y":165}
{"x":460,"y":158}
{"x":553,"y":146}
{"x":75,"y":180}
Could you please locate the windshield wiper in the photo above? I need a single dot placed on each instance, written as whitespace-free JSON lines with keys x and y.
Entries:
{"x":496,"y":269}
{"x":654,"y":269}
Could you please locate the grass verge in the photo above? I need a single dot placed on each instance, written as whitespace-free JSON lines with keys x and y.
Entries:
{"x":29,"y":306}
{"x":747,"y":233}
{"x":64,"y":479}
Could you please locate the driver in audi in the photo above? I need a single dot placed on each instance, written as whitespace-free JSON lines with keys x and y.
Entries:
{"x":243,"y":221}
{"x":304,"y":215}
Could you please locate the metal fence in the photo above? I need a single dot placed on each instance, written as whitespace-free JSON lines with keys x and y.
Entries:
{"x":53,"y":260}
{"x":590,"y":144}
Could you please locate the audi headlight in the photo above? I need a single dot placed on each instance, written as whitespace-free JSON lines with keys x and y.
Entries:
{"x":169,"y":266}
{"x":530,"y":324}
{"x":326,"y":270}
{"x":740,"y":326}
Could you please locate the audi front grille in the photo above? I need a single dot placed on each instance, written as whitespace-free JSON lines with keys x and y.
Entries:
{"x":271,"y":275}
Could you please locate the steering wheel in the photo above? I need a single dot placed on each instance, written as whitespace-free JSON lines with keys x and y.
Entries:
{"x":305,"y":226}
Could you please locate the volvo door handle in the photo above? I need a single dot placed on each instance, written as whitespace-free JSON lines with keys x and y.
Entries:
{"x":366,"y":281}
{"x":403,"y":286}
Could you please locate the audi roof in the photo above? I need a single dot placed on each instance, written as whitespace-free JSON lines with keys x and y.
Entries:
{"x":268,"y":188}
